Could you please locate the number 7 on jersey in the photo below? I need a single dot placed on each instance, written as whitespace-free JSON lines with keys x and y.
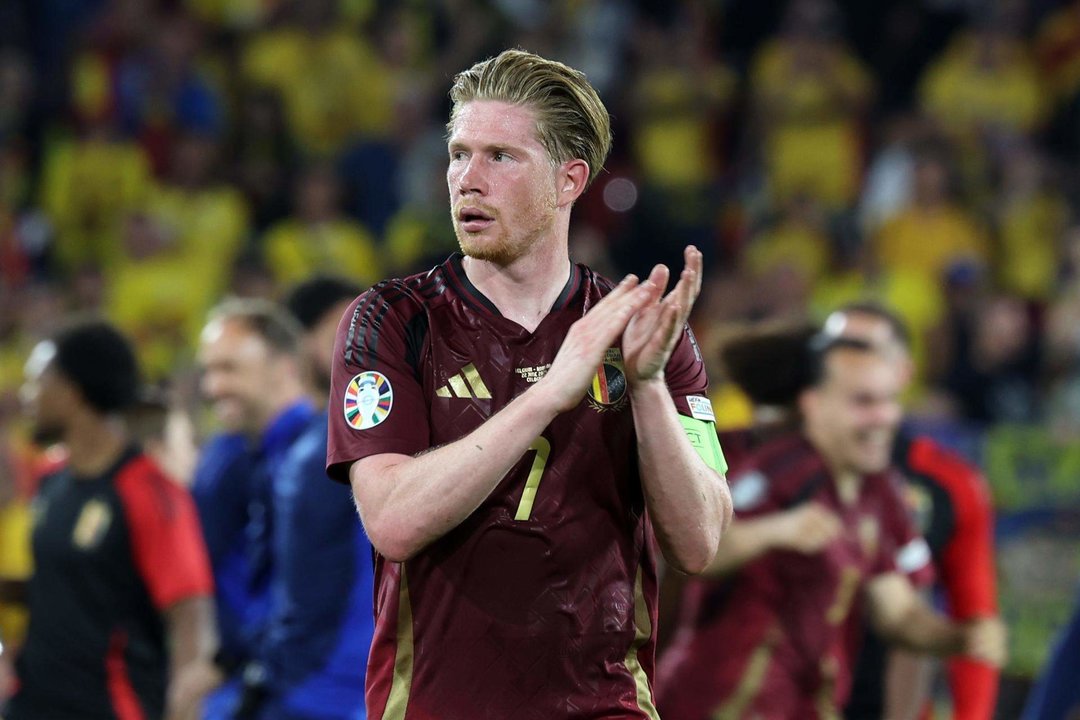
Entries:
{"x":536,"y":472}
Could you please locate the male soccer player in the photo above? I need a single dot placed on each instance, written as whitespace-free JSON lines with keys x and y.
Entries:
{"x":121,"y":616}
{"x":821,"y":530}
{"x":253,"y":375}
{"x":535,"y":429}
{"x":768,"y":363}
{"x":319,"y":630}
{"x":951,"y":507}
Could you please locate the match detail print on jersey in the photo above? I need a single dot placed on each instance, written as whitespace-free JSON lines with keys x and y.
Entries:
{"x":369,"y":398}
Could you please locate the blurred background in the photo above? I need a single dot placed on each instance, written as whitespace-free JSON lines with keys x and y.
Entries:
{"x":156,"y":157}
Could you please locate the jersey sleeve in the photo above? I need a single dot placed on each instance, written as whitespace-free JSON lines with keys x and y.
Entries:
{"x":377,"y":403}
{"x":753,"y":493}
{"x":166,"y":540}
{"x":967,"y":560}
{"x":686,"y":379}
{"x":901,"y":549}
{"x":967,"y":576}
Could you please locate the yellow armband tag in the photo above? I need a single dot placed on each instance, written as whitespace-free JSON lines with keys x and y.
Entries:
{"x":702,"y":434}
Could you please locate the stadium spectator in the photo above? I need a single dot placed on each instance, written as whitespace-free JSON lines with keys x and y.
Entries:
{"x":809,"y":94}
{"x":331,"y":78}
{"x":934,"y":231}
{"x":1031,"y":216}
{"x":986,"y":84}
{"x":161,"y":92}
{"x":481,"y":412}
{"x":206,"y":215}
{"x":319,"y":238}
{"x":114,"y":631}
{"x":155,"y":295}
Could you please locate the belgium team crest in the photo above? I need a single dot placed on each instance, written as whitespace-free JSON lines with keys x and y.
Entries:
{"x":609,"y":390}
{"x":368,"y":400}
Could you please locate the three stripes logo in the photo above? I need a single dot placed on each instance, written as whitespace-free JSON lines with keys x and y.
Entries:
{"x":465,"y":384}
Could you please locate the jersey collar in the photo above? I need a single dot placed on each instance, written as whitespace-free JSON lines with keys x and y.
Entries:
{"x":477,"y":299}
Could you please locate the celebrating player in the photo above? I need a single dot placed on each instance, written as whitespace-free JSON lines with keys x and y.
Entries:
{"x":536,"y":425}
{"x":822,"y":529}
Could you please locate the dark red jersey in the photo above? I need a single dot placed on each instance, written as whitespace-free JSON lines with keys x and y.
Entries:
{"x":950,"y":505}
{"x":696,"y":595}
{"x":111,"y":553}
{"x":542,"y":603}
{"x":772,"y":641}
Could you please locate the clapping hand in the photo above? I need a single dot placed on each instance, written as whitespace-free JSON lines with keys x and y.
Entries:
{"x":652,"y":333}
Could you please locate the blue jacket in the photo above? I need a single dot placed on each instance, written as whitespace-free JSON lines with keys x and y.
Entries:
{"x":321,"y":618}
{"x":232,"y":490}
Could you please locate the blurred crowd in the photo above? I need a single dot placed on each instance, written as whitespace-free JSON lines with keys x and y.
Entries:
{"x":156,"y":157}
{"x":159,"y":155}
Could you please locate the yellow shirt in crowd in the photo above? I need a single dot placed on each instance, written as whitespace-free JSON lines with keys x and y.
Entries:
{"x":928,"y":241}
{"x":296,"y":250}
{"x":813,"y":142}
{"x":334,"y":86}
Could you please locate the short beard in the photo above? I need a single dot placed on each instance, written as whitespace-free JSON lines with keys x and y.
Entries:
{"x":502,"y":253}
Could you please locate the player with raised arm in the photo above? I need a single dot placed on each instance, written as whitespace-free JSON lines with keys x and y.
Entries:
{"x":822,"y":532}
{"x":535,"y":427}
{"x":950,"y":503}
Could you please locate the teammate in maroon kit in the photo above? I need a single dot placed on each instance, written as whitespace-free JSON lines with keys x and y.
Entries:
{"x":822,"y":529}
{"x":533,"y":426}
{"x":950,"y":503}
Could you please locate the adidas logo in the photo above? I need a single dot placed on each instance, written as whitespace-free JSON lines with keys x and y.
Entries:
{"x":465,"y":384}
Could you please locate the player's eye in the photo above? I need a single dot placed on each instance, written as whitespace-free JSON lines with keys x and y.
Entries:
{"x":500,"y":157}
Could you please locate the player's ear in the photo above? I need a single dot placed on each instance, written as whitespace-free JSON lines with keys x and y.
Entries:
{"x":572,"y":180}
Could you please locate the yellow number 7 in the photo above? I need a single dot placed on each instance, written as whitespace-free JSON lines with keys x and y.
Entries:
{"x":528,"y":495}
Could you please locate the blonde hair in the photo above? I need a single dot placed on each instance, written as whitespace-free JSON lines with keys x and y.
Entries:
{"x":571,"y":120}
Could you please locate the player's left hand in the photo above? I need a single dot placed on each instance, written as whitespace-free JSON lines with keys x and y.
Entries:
{"x":652,"y":333}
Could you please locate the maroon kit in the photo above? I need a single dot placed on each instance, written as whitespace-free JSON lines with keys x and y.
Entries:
{"x":542,"y":603}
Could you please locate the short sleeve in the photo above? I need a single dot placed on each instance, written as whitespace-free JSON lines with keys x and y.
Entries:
{"x":166,"y":540}
{"x":901,"y":549}
{"x":686,"y":378}
{"x":753,"y":493}
{"x":967,"y":561}
{"x":377,"y":403}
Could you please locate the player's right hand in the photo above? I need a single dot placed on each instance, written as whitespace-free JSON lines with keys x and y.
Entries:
{"x":589,"y":338}
{"x":808,"y":528}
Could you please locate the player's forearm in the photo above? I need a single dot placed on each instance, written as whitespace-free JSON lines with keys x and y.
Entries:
{"x":921,"y":628}
{"x":192,"y":636}
{"x":744,"y":542}
{"x":907,"y":685}
{"x":408,"y":504}
{"x":688,"y":502}
{"x":192,"y":645}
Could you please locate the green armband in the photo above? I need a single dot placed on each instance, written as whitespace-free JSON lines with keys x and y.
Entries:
{"x":702,"y":434}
